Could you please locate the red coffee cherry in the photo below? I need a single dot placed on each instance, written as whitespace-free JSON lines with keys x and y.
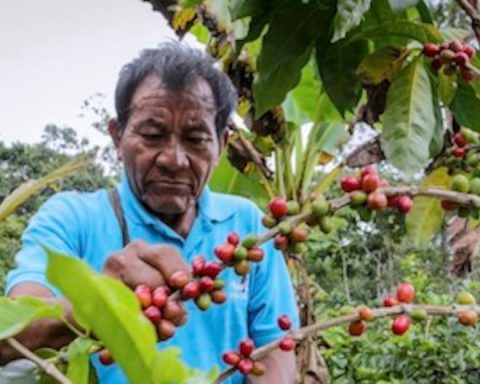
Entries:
{"x":467,"y":74}
{"x":405,"y":293}
{"x":233,"y":238}
{"x":211,"y":269}
{"x":370,"y":183}
{"x":367,"y":170}
{"x":298,"y":234}
{"x":197,"y":265}
{"x":461,"y":58}
{"x":404,"y":204}
{"x":231,"y":358}
{"x":365,"y":313}
{"x":284,"y":322}
{"x":280,"y":242}
{"x":357,"y":328}
{"x":377,"y":201}
{"x":401,"y":324}
{"x":467,"y":317}
{"x":389,"y":301}
{"x":436,"y":65}
{"x":105,"y":357}
{"x":287,"y":344}
{"x":245,"y":366}
{"x":218,"y":297}
{"x":191,"y":290}
{"x":278,"y":207}
{"x":350,"y":183}
{"x":431,"y":49}
{"x":144,"y":295}
{"x":255,"y":254}
{"x":179,"y":279}
{"x":153,"y":314}
{"x":246,"y":347}
{"x":206,"y":284}
{"x":160,"y":297}
{"x":459,"y":140}
{"x":165,"y":329}
{"x":225,"y":252}
{"x":458,"y":152}
{"x":468,"y":49}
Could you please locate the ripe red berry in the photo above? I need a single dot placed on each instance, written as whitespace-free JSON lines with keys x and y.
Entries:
{"x":405,"y":293}
{"x":278,"y":207}
{"x":365,"y":313}
{"x":456,"y":46}
{"x":367,"y":170}
{"x":287,"y":344}
{"x":105,"y":357}
{"x":468,"y":49}
{"x":197,"y":265}
{"x":383,"y":183}
{"x":144,"y":295}
{"x":246,"y":347}
{"x":467,"y":74}
{"x":211,"y":269}
{"x":255,"y":254}
{"x":350,"y":183}
{"x":231,"y":358}
{"x":298,"y":234}
{"x":160,"y":297}
{"x":461,"y":58}
{"x":370,"y":183}
{"x":431,"y":49}
{"x":459,"y":140}
{"x":233,"y":238}
{"x":218,"y":297}
{"x":377,"y":201}
{"x":153,"y":314}
{"x":404,"y":204}
{"x":225,"y":252}
{"x":401,"y":324}
{"x":191,"y":290}
{"x":458,"y":152}
{"x":389,"y":301}
{"x":245,"y":366}
{"x":284,"y":322}
{"x":280,"y":242}
{"x":356,"y":328}
{"x":393,"y":201}
{"x":206,"y":284}
{"x":436,"y":64}
{"x":467,"y":317}
{"x":179,"y":279}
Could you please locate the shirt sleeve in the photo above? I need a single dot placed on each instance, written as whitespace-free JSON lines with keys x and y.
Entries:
{"x":55,"y":225}
{"x":271,"y":295}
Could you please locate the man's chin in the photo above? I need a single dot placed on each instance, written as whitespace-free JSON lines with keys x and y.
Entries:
{"x":169,"y":208}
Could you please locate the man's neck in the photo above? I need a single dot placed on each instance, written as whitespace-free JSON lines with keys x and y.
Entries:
{"x":180,"y":223}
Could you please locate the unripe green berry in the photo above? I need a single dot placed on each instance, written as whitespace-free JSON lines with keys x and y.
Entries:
{"x":250,"y":240}
{"x":365,"y":214}
{"x":269,"y":221}
{"x":320,"y":207}
{"x":418,"y":314}
{"x":240,"y":253}
{"x":285,"y":227}
{"x":242,"y":267}
{"x":203,"y":301}
{"x":460,"y":183}
{"x":475,"y":186}
{"x":326,"y":225}
{"x":298,"y":248}
{"x":463,"y":212}
{"x":466,"y":298}
{"x":218,"y":284}
{"x":358,"y":198}
{"x":293,"y":207}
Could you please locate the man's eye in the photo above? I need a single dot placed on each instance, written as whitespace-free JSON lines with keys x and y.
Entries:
{"x":152,"y":136}
{"x":197,"y":139}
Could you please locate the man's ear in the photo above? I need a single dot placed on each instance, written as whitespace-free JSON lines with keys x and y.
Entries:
{"x":224,"y":140}
{"x":116,"y":136}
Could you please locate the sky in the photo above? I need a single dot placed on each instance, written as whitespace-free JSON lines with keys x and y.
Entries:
{"x":54,"y":54}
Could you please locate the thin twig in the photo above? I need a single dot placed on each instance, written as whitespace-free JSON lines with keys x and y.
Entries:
{"x":48,"y":368}
{"x":473,"y":14}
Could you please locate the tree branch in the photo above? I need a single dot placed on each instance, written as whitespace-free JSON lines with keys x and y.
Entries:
{"x":473,"y":14}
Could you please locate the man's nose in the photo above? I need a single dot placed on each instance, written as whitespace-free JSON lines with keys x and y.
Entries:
{"x":172,"y":155}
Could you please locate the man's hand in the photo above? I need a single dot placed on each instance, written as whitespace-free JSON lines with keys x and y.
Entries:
{"x":152,"y":265}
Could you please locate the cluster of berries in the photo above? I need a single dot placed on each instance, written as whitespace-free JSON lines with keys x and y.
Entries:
{"x":461,"y":183}
{"x":238,"y":255}
{"x":405,"y":294}
{"x":363,"y":190}
{"x":241,"y":359}
{"x":453,"y":56}
{"x":467,"y":316}
{"x":462,"y":141}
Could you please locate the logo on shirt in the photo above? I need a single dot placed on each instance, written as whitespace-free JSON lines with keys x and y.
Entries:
{"x":239,"y":289}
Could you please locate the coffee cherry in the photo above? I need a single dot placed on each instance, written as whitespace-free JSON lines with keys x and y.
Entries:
{"x":368,"y":170}
{"x":231,"y":358}
{"x":293,"y":207}
{"x":287,"y":343}
{"x":105,"y":357}
{"x":404,"y":204}
{"x":285,"y":227}
{"x":241,"y":268}
{"x":245,"y":366}
{"x":240,"y":253}
{"x":467,"y":74}
{"x":326,"y":224}
{"x":377,"y":201}
{"x":179,"y":279}
{"x":224,"y":252}
{"x":401,"y":324}
{"x":460,"y":183}
{"x":357,"y":328}
{"x":458,"y":152}
{"x":165,"y":329}
{"x":299,"y":234}
{"x":219,"y":284}
{"x":233,"y":238}
{"x":444,"y":45}
{"x":144,"y":295}
{"x":197,"y":265}
{"x":459,"y":140}
{"x":203,"y":301}
{"x":469,"y":50}
{"x":255,"y":254}
{"x":160,"y":297}
{"x":250,"y":240}
{"x":191,"y":290}
{"x":393,"y":201}
{"x":431,"y":49}
{"x":153,"y":314}
{"x":370,"y":183}
{"x":278,"y":207}
{"x":320,"y":207}
{"x":172,"y":310}
{"x":358,"y":198}
{"x":280,"y":242}
{"x":246,"y":347}
{"x":218,"y":297}
{"x":269,"y":221}
{"x":297,"y":248}
{"x":349,"y":183}
{"x":466,"y":298}
{"x":284,"y":322}
{"x":389,"y":301}
{"x":365,"y":313}
{"x":467,"y":317}
{"x":475,"y":186}
{"x":461,"y":58}
{"x":405,"y":293}
{"x":447,"y":56}
{"x":258,"y":369}
{"x":206,"y":284}
{"x":456,"y":46}
{"x":436,"y":65}
{"x":211,"y":269}
{"x":418,"y":314}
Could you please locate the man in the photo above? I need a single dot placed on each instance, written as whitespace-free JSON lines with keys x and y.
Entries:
{"x":172,"y":106}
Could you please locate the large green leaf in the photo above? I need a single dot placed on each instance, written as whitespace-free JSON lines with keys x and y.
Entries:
{"x":436,"y":144}
{"x":403,"y":28}
{"x":112,"y":311}
{"x":447,"y":88}
{"x":381,"y":65}
{"x":79,"y":360}
{"x":330,"y":136}
{"x":466,"y":106}
{"x":17,"y":314}
{"x":337,"y":64}
{"x":409,"y":119}
{"x":349,"y":15}
{"x":426,"y":216}
{"x":286,"y":48}
{"x":21,"y":371}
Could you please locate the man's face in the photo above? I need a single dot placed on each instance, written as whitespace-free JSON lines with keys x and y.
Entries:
{"x":170,"y":145}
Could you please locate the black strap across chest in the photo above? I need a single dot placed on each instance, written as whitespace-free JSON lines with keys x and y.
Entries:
{"x":117,"y":208}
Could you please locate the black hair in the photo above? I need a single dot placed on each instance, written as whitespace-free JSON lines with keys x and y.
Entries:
{"x":176,"y":65}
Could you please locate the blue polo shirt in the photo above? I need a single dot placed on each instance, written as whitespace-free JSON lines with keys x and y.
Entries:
{"x":84,"y":225}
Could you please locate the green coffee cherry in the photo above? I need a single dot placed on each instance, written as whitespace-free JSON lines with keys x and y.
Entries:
{"x":240,"y":253}
{"x":320,"y":207}
{"x":326,"y":224}
{"x":250,"y":240}
{"x":418,"y":314}
{"x":285,"y":227}
{"x":475,"y":186}
{"x":292,"y":207}
{"x":203,"y":301}
{"x":460,"y":183}
{"x":358,"y":198}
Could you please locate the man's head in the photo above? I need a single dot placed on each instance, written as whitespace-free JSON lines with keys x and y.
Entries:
{"x":173,"y":106}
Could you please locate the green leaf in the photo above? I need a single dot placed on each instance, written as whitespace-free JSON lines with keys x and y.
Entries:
{"x":382,"y":64}
{"x":197,"y":377}
{"x":402,"y":5}
{"x":409,"y":119}
{"x":330,"y":136}
{"x":79,"y":360}
{"x":168,"y":368}
{"x":21,"y":371}
{"x":122,"y":327}
{"x":200,"y":32}
{"x":286,"y":49}
{"x":449,"y":34}
{"x":447,"y":88}
{"x":466,"y":106}
{"x":302,"y":103}
{"x":17,"y":314}
{"x":436,"y":144}
{"x":403,"y":28}
{"x":425,"y":218}
{"x":337,"y":64}
{"x":349,"y":15}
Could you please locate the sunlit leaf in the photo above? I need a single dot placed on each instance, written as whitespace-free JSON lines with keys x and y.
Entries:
{"x":403,"y":28}
{"x":79,"y":360}
{"x":466,"y":106}
{"x":381,"y":65}
{"x":349,"y":15}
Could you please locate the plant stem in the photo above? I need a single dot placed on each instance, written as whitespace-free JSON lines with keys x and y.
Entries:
{"x":48,"y":368}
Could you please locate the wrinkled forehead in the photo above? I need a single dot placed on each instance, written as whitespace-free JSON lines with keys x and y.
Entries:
{"x":152,"y":91}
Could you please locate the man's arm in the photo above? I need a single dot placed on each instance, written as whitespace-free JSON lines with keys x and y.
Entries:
{"x":280,"y":369}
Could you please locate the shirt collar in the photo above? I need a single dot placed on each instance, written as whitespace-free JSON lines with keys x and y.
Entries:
{"x":207,"y":205}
